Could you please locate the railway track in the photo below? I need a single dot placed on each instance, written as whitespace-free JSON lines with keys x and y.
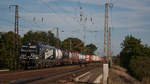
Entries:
{"x":65,"y":77}
{"x":21,"y":75}
{"x":47,"y":76}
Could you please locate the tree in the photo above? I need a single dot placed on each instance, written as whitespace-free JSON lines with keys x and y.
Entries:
{"x":90,"y":49}
{"x":43,"y":37}
{"x":135,"y":57}
{"x":131,"y":47}
{"x":2,"y":52}
{"x":73,"y":44}
{"x":7,"y":50}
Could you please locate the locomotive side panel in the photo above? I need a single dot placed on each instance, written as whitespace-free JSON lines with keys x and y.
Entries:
{"x":65,"y":57}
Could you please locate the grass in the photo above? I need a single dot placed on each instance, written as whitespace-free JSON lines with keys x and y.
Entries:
{"x":120,"y":76}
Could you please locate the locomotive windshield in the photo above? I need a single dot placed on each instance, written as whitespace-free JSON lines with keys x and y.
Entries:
{"x":29,"y":48}
{"x":29,"y":51}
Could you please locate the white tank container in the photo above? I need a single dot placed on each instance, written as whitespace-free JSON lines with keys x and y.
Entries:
{"x":70,"y":55}
{"x":80,"y":57}
{"x":59,"y":54}
{"x":93,"y":58}
{"x":83,"y":57}
{"x":87,"y":58}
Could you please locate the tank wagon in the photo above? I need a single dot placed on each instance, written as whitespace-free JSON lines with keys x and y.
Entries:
{"x":38,"y":55}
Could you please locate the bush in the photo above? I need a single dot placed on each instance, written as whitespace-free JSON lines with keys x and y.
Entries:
{"x":140,"y":67}
{"x":135,"y":57}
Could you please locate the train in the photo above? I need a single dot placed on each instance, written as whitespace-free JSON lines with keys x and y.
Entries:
{"x":38,"y":55}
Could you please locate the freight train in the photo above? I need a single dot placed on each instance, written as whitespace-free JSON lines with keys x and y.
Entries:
{"x":38,"y":55}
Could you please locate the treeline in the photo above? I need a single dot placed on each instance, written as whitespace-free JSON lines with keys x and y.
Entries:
{"x":7,"y":57}
{"x":135,"y":57}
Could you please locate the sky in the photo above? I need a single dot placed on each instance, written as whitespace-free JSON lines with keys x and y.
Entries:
{"x":127,"y":17}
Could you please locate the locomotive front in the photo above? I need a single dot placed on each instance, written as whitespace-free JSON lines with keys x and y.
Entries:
{"x":29,"y":54}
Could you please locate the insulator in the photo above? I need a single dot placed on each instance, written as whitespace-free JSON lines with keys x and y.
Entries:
{"x":85,"y":19}
{"x":80,"y":7}
{"x":91,"y":19}
{"x":42,"y":19}
{"x":34,"y":18}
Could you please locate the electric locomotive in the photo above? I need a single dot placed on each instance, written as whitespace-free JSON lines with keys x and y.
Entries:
{"x":38,"y":55}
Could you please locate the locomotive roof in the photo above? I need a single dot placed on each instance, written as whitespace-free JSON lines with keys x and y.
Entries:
{"x":45,"y":45}
{"x":38,"y":44}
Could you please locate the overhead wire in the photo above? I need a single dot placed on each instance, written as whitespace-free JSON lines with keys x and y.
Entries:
{"x":31,"y":23}
{"x":89,"y":19}
{"x":29,"y":11}
{"x":52,"y":10}
{"x":75,"y":9}
{"x":49,"y":7}
{"x":11,"y":24}
{"x":6,"y":20}
{"x":65,"y":11}
{"x":34,"y":21}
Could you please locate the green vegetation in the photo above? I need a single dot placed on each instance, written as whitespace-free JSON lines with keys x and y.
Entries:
{"x":135,"y":57}
{"x":43,"y":37}
{"x":8,"y":60}
{"x":90,"y":49}
{"x":73,"y":44}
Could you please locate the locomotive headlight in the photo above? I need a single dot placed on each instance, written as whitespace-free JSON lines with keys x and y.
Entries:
{"x":36,"y":57}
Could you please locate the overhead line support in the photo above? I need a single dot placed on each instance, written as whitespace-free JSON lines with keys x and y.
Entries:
{"x":16,"y":38}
